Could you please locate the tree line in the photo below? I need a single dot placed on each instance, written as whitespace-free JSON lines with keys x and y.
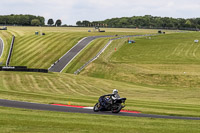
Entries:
{"x":24,"y":20}
{"x":146,"y":21}
{"x":27,"y":20}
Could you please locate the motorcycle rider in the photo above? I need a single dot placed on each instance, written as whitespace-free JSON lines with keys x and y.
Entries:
{"x":116,"y":95}
{"x":106,"y":100}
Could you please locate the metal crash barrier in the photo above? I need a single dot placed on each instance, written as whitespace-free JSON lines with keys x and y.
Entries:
{"x":21,"y":69}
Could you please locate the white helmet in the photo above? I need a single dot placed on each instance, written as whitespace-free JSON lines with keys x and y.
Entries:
{"x":115,"y":91}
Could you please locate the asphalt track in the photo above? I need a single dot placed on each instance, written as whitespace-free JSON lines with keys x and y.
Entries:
{"x":1,"y":47}
{"x":59,"y":65}
{"x":47,"y":107}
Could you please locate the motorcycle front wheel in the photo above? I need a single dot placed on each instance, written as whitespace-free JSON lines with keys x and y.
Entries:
{"x":116,"y":109}
{"x":96,"y":107}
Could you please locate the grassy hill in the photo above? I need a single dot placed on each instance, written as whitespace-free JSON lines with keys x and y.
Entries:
{"x":167,"y":60}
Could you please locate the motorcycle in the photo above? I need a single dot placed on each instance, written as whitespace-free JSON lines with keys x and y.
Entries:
{"x":107,"y":103}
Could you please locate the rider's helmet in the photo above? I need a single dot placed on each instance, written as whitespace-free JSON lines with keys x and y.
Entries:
{"x":115,"y":91}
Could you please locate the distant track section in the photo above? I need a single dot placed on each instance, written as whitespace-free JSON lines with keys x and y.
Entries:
{"x":104,"y":48}
{"x":10,"y":51}
{"x":59,"y":65}
{"x":1,"y":47}
{"x":47,"y":107}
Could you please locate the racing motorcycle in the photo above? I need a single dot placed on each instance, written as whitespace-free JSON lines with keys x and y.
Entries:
{"x":107,"y":103}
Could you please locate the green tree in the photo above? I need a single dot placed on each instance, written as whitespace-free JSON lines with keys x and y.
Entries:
{"x":24,"y":20}
{"x":123,"y":22}
{"x":50,"y":22}
{"x":58,"y":22}
{"x":188,"y":23}
{"x":35,"y":22}
{"x":86,"y":23}
{"x":42,"y":20}
{"x":79,"y":23}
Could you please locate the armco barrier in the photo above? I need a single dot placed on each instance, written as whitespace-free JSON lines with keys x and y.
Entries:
{"x":21,"y":69}
{"x":10,"y":52}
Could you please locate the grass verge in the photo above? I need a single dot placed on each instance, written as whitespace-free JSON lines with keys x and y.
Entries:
{"x":22,"y":120}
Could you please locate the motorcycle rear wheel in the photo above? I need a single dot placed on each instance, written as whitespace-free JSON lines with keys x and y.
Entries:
{"x":96,"y":107}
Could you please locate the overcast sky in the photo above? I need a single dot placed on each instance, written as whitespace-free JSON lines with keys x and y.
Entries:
{"x":70,"y":11}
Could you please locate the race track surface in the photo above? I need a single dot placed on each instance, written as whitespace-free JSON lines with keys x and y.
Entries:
{"x":72,"y":53}
{"x":1,"y":47}
{"x":47,"y":107}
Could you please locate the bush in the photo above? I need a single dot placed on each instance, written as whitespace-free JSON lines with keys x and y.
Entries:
{"x":35,"y":22}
